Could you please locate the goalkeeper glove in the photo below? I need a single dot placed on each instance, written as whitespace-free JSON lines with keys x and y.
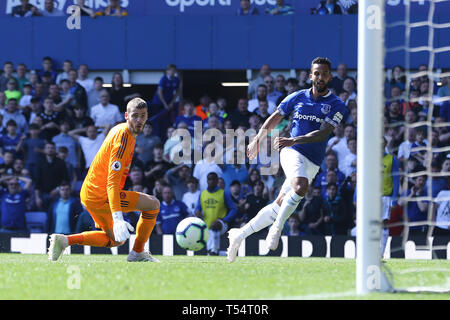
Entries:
{"x":121,"y":227}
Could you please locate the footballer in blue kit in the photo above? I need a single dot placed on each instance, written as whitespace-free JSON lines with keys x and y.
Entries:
{"x":315,"y":113}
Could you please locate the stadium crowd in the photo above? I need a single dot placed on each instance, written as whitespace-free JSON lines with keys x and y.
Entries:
{"x":54,"y":121}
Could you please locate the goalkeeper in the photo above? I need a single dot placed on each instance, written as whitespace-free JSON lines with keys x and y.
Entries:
{"x":103,"y":197}
{"x":316,"y":112}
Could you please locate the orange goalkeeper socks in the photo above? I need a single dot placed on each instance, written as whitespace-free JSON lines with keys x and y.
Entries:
{"x":144,"y":229}
{"x":90,"y":238}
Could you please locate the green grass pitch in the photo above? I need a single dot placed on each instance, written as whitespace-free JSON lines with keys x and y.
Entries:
{"x":205,"y":277}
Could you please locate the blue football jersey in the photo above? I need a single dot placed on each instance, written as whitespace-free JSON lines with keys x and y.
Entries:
{"x":308,"y":115}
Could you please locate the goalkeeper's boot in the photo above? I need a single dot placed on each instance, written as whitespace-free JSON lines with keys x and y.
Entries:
{"x":273,"y":236}
{"x":58,"y":243}
{"x":235,"y":238}
{"x":134,"y":256}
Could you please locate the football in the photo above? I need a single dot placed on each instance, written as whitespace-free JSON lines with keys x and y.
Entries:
{"x":192,"y":234}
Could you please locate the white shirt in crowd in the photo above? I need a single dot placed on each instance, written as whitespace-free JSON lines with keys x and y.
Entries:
{"x":253,"y":104}
{"x":190,"y":200}
{"x":201,"y":171}
{"x":443,"y":211}
{"x":106,"y":115}
{"x":90,"y":147}
{"x":87,"y":84}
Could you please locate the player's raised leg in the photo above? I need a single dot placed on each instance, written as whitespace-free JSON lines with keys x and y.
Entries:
{"x":265,"y":217}
{"x":149,"y":207}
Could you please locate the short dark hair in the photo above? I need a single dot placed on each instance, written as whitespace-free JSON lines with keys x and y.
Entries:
{"x":331,"y":184}
{"x":34,"y":126}
{"x":99,"y":79}
{"x":321,"y":60}
{"x":63,"y":149}
{"x":235,"y":182}
{"x":11,"y":122}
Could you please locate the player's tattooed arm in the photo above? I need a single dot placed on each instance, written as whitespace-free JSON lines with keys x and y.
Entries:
{"x":314,"y":136}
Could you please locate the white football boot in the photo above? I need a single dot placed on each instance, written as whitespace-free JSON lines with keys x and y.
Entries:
{"x":58,"y":243}
{"x":235,"y":239}
{"x":273,"y":237}
{"x":134,"y":256}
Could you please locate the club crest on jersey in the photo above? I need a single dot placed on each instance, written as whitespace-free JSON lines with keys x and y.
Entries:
{"x":116,"y":166}
{"x":325,"y":108}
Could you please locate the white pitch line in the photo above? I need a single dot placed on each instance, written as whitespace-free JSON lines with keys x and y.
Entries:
{"x":319,"y":296}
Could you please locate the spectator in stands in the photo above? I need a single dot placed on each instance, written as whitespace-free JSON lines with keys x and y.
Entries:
{"x":178,"y":177}
{"x":53,"y":93}
{"x":165,"y":99}
{"x":8,"y":69}
{"x":292,"y":85}
{"x":80,"y":119}
{"x":349,"y":85}
{"x":331,"y":165}
{"x":77,"y":90}
{"x":280,"y":8}
{"x":84,"y":10}
{"x":136,"y":178}
{"x":217,"y":209}
{"x":12,"y":112}
{"x":303,"y":80}
{"x":145,"y":143}
{"x":114,"y":9}
{"x":33,"y":148}
{"x":25,"y":9}
{"x":50,"y":172}
{"x":241,"y":115}
{"x":188,"y":116}
{"x":327,"y":7}
{"x":8,"y":162}
{"x":255,"y":201}
{"x":262,"y":110}
{"x":50,"y":10}
{"x":47,"y":67}
{"x":10,"y":140}
{"x":214,"y":111}
{"x":25,"y":100}
{"x":67,"y":66}
{"x":64,"y":139}
{"x":119,"y":93}
{"x":235,"y":170}
{"x":419,"y":155}
{"x":280,"y":85}
{"x":94,"y":94}
{"x":13,"y":206}
{"x":272,"y":94}
{"x":339,"y":145}
{"x":89,"y":144}
{"x":393,"y":112}
{"x":190,"y":198}
{"x":64,"y":211}
{"x":416,"y":209}
{"x":444,"y":90}
{"x":171,"y":212}
{"x":51,"y":120}
{"x":66,"y":94}
{"x":404,"y":149}
{"x":83,"y":78}
{"x":398,"y":79}
{"x":11,"y":91}
{"x":261,"y":94}
{"x":21,"y":76}
{"x":441,"y":213}
{"x":311,"y":212}
{"x":337,"y":220}
{"x":253,"y":84}
{"x":62,"y":153}
{"x":247,"y":9}
{"x":201,"y":170}
{"x":106,"y":114}
{"x":157,"y":167}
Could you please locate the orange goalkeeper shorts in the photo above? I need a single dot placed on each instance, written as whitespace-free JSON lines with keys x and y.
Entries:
{"x":101,"y":213}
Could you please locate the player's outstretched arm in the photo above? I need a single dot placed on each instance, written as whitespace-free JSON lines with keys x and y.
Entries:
{"x":268,"y":125}
{"x":314,"y":136}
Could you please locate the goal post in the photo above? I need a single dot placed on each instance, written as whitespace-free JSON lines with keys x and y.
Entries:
{"x":371,"y":27}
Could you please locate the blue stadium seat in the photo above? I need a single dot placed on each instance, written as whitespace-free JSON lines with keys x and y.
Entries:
{"x":36,"y":221}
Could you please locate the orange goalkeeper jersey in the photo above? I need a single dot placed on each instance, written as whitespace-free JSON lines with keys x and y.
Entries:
{"x":109,"y":169}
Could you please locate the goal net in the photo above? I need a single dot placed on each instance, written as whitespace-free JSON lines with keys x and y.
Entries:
{"x":412,"y":220}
